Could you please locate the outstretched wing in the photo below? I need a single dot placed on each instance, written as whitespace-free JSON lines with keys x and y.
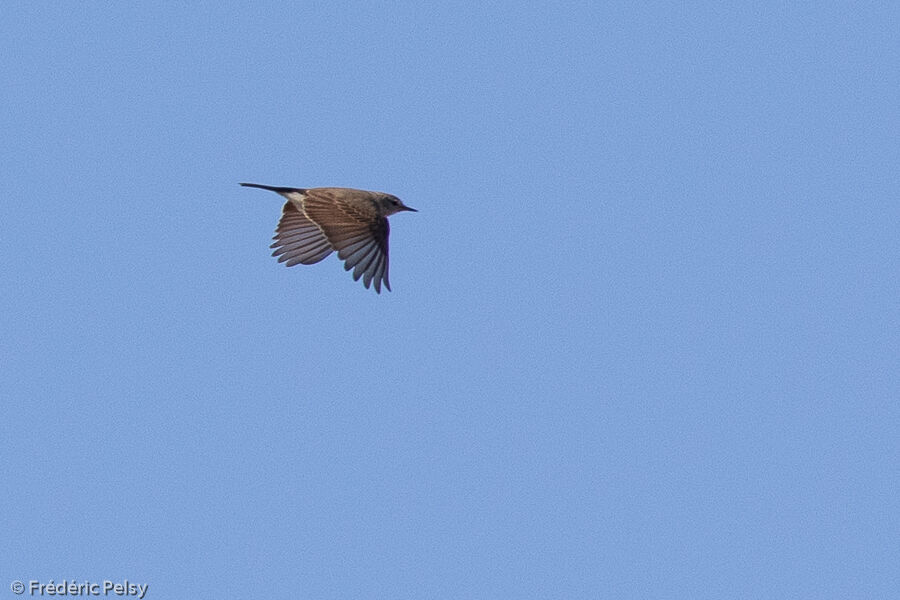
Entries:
{"x":298,"y":240}
{"x":354,"y":229}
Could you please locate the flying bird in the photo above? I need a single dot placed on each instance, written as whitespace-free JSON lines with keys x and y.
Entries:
{"x":318,"y":221}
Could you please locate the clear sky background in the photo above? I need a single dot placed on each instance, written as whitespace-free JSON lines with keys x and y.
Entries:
{"x":643,"y":340}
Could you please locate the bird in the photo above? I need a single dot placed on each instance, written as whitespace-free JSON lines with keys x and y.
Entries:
{"x":318,"y":221}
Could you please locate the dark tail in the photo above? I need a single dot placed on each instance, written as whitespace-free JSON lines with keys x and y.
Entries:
{"x":271,"y":188}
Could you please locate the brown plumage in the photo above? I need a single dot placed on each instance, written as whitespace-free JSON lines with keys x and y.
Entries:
{"x":316,"y":222}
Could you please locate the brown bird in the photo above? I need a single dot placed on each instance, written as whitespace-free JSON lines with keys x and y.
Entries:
{"x":316,"y":222}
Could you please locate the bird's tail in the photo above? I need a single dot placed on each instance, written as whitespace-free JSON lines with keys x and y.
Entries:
{"x":272,"y":188}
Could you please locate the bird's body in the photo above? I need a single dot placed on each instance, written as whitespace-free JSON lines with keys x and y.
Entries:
{"x":318,"y":221}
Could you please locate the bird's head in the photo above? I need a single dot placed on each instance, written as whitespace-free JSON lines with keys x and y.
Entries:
{"x":392,"y":204}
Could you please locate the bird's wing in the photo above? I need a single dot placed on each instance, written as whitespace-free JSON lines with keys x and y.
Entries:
{"x":355,"y":231}
{"x":298,"y":240}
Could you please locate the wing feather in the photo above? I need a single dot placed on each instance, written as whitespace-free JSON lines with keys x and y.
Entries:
{"x":353,"y":228}
{"x":299,"y":240}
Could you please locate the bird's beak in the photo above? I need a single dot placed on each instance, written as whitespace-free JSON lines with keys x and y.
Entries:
{"x":409,"y":209}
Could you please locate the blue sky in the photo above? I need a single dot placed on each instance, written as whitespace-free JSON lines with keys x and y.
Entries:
{"x":643,"y":339}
